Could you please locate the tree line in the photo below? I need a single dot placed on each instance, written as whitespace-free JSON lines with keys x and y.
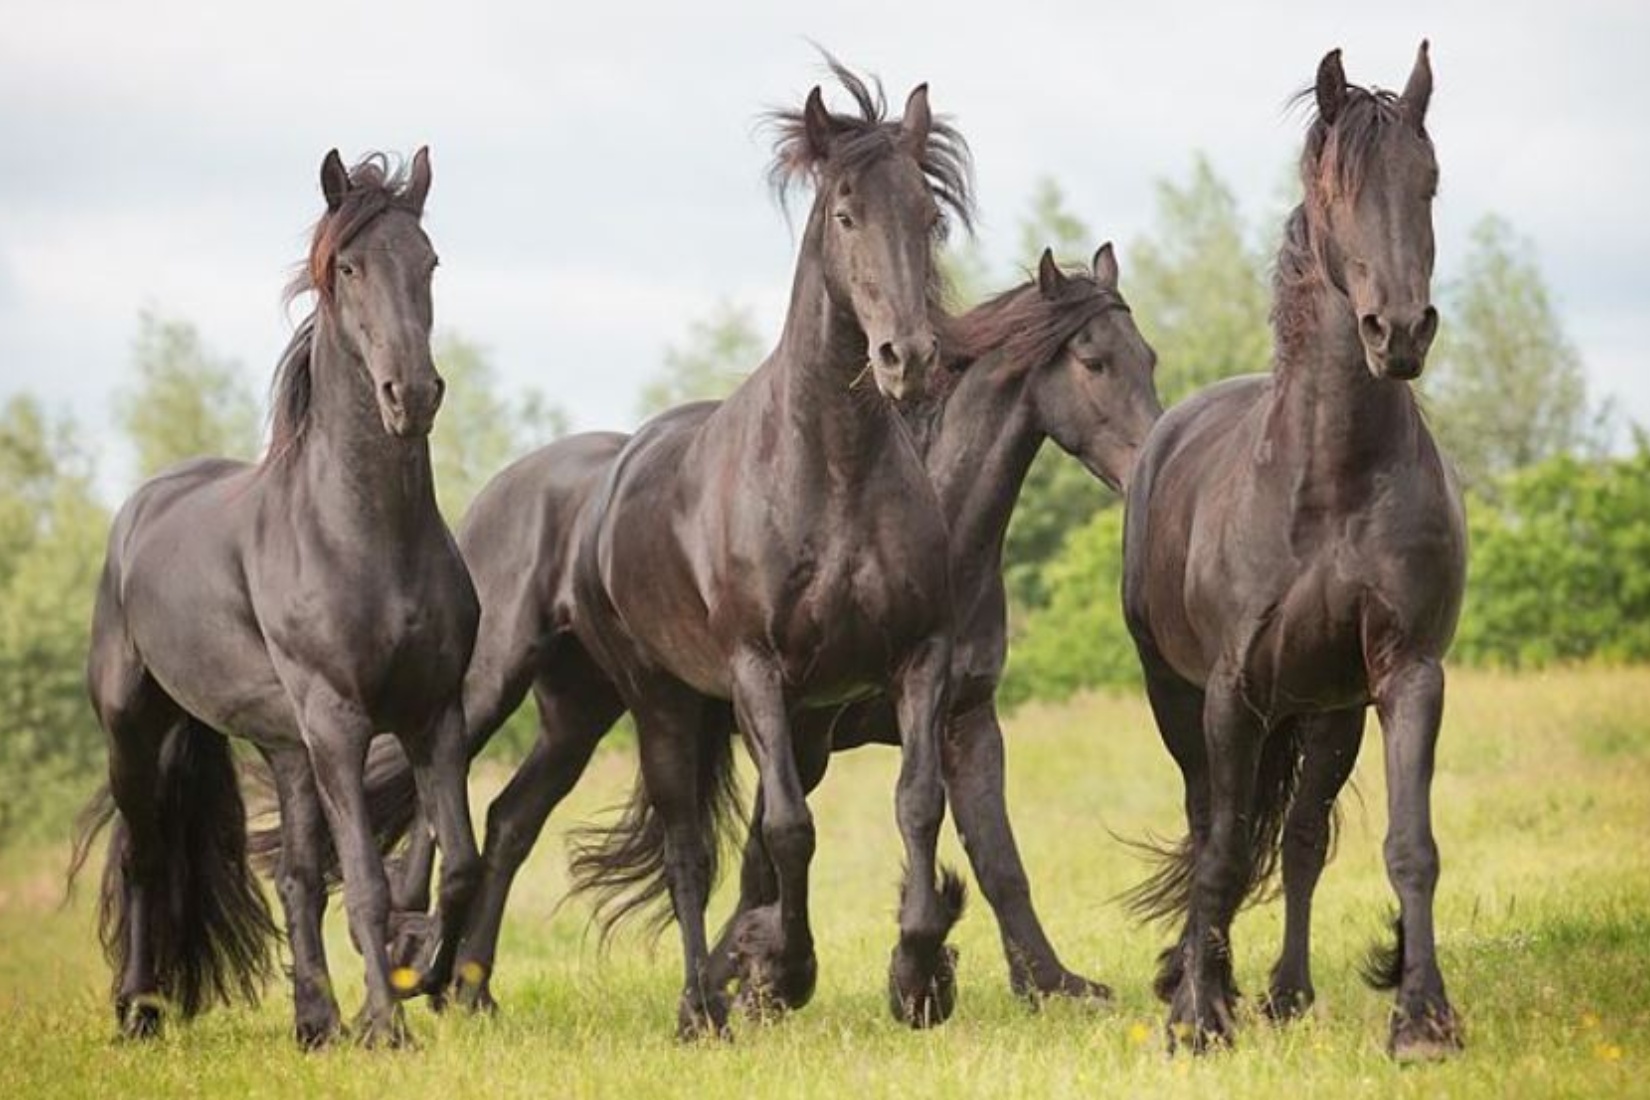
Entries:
{"x":1560,"y":527}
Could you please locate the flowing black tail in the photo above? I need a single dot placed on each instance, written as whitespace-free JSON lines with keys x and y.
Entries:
{"x":623,"y":865}
{"x":392,"y":807}
{"x":1167,"y":894}
{"x":209,"y":930}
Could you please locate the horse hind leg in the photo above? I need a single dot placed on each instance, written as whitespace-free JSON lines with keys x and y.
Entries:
{"x":1329,"y":750}
{"x":577,"y":706}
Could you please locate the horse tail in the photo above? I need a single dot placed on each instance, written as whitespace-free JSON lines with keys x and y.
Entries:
{"x":392,"y":807}
{"x":209,"y":928}
{"x":623,"y":866}
{"x":1166,"y":894}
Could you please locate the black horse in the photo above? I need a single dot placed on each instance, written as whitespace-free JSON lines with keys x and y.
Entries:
{"x":1295,"y":552}
{"x":1057,"y":357}
{"x":302,"y":604}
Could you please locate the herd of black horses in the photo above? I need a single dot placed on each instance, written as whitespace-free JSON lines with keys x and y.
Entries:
{"x":814,"y":562}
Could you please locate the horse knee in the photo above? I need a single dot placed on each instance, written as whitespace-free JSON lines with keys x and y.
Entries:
{"x":460,"y":875}
{"x":790,"y":840}
{"x":1412,"y":862}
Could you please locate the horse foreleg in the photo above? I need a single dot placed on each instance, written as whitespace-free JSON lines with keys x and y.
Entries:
{"x":1329,"y":750}
{"x":758,"y":881}
{"x":1411,"y":704}
{"x":974,"y":777}
{"x":1202,"y":1010}
{"x":303,"y":896}
{"x":774,"y":945}
{"x":922,"y":981}
{"x":337,"y":733}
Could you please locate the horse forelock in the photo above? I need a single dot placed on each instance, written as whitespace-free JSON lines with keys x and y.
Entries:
{"x":864,"y":138}
{"x":376,"y":184}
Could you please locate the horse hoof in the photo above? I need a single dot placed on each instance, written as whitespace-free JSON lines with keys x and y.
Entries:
{"x":1285,"y":1004}
{"x":1202,"y":1023}
{"x":379,"y":1032}
{"x":139,"y":1018}
{"x":923,"y":993}
{"x":1431,"y":1035}
{"x":1065,"y":986}
{"x":472,"y":989}
{"x":318,"y":1034}
{"x":771,"y":983}
{"x":705,"y":1021}
{"x":411,"y":936}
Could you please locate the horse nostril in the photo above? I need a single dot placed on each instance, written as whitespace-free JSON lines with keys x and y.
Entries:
{"x":889,"y":354}
{"x":1428,"y":328}
{"x":392,"y":394}
{"x":1376,"y":332}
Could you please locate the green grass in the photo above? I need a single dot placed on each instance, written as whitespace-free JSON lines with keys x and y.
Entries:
{"x":1542,"y":804}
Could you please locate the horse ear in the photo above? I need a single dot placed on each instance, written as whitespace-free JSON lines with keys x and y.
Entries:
{"x":418,"y":188}
{"x":816,"y":125}
{"x":1050,"y":279}
{"x":1105,"y":267}
{"x":334,"y":180}
{"x":1418,"y":91}
{"x":917,"y":120}
{"x":1331,"y":86}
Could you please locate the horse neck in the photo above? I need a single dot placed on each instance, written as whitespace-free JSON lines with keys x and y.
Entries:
{"x":977,"y":457}
{"x":826,"y":397}
{"x":357,"y":474}
{"x":1328,"y":410}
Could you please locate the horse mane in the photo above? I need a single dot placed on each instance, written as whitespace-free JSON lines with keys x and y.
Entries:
{"x":1334,"y":164}
{"x":867,"y":137}
{"x":375,"y":185}
{"x":1025,"y":326}
{"x":1020,"y":326}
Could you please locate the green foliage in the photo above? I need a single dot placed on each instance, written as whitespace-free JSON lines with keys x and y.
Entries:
{"x":1505,"y":386}
{"x":1560,"y":568}
{"x":1077,"y":639}
{"x":714,"y":358}
{"x":186,"y":402}
{"x":478,"y":431}
{"x":1050,"y":224}
{"x":51,"y":543}
{"x":1196,"y":287}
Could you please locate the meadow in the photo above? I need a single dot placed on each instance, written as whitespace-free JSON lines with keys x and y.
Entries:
{"x":1542,"y":804}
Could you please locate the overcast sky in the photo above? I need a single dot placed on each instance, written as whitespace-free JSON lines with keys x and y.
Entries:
{"x":599,"y":180}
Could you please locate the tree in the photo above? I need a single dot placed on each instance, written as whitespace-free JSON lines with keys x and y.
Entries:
{"x":52,"y":531}
{"x":187,"y":401}
{"x":1506,"y":388}
{"x":1049,"y":224}
{"x":1196,"y":287}
{"x":714,"y":358}
{"x":1077,"y":638}
{"x":477,"y":432}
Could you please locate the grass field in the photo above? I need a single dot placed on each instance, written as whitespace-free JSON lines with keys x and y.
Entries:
{"x":1542,"y":807}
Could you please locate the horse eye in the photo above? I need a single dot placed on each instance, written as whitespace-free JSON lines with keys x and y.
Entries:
{"x":347,"y":269}
{"x":844,"y":219}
